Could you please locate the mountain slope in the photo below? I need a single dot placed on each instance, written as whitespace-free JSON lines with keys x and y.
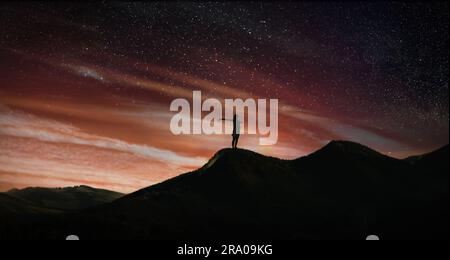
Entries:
{"x":12,"y":206}
{"x":70,"y":198}
{"x":433,"y":163}
{"x":343,"y":191}
{"x":17,"y":217}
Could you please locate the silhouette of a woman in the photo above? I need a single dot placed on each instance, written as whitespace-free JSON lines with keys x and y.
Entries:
{"x":236,"y":130}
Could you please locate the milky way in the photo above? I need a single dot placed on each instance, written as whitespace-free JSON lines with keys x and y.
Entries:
{"x":86,"y":88}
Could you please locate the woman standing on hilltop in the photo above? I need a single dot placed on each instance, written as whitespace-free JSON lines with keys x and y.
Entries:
{"x":236,"y":130}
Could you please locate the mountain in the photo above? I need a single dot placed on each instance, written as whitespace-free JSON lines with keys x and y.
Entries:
{"x":342,"y":191}
{"x":25,"y":213}
{"x":12,"y":206}
{"x":434,"y":163}
{"x":70,"y":198}
{"x":17,"y":217}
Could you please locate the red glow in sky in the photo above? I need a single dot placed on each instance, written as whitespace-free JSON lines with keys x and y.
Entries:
{"x":78,"y":106}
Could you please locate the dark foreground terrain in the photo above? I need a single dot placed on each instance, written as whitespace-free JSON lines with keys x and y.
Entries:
{"x":343,"y":191}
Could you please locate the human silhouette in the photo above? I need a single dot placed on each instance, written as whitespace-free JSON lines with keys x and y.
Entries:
{"x":236,"y":130}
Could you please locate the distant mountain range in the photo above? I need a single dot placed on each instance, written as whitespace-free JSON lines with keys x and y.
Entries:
{"x":70,"y":198}
{"x":342,"y":191}
{"x":20,"y":209}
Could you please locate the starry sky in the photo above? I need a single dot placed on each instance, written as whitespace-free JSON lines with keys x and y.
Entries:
{"x":85,"y":89}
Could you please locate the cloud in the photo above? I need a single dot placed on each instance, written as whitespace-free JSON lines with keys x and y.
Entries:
{"x":324,"y":128}
{"x":347,"y":131}
{"x":28,"y":126}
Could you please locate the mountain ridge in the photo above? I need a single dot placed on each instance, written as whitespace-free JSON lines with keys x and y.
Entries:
{"x":343,"y":191}
{"x":362,"y":183}
{"x":67,"y":198}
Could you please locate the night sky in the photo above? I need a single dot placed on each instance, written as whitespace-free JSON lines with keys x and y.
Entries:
{"x":85,"y":88}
